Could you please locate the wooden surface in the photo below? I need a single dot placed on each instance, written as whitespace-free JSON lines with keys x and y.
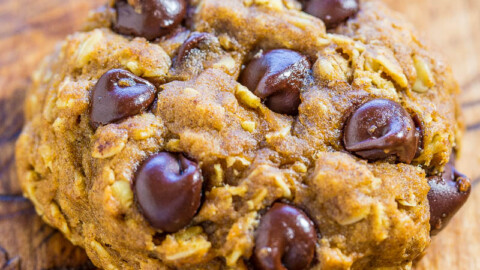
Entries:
{"x":29,"y":29}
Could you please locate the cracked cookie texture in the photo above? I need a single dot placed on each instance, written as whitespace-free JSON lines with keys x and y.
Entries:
{"x":367,"y":213}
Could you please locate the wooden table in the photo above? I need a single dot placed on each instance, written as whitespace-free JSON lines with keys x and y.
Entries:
{"x":29,"y":29}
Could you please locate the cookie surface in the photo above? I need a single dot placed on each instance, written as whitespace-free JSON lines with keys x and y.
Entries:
{"x":182,"y":147}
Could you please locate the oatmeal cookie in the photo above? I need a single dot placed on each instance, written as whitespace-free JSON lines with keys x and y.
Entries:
{"x":244,"y":134}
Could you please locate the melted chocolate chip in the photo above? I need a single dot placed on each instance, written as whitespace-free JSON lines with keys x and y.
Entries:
{"x":192,"y":42}
{"x":447,"y":194}
{"x":119,"y":94}
{"x":420,"y":132}
{"x":168,"y":189}
{"x":382,"y":129}
{"x":148,"y":18}
{"x":331,"y":12}
{"x":285,"y":239}
{"x":277,"y":77}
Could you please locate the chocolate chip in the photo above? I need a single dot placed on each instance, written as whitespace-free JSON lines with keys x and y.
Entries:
{"x":285,"y":239}
{"x":192,"y":42}
{"x":331,"y":12}
{"x":119,"y":94}
{"x":382,"y":129}
{"x":168,"y":189}
{"x":447,"y":194}
{"x":277,"y":77}
{"x":420,"y":132}
{"x":148,"y":18}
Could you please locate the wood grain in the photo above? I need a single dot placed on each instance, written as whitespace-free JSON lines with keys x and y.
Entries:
{"x":29,"y":30}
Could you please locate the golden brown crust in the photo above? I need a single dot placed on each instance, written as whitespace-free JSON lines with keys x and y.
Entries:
{"x":369,"y":215}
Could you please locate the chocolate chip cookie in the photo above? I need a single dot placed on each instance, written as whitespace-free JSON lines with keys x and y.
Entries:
{"x":244,"y":134}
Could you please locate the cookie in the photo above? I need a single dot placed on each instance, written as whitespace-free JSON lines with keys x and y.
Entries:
{"x":244,"y":134}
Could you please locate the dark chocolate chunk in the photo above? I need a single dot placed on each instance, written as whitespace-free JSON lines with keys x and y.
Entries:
{"x":331,"y":12}
{"x":192,"y":42}
{"x":380,"y":129}
{"x":168,"y":189}
{"x":119,"y":94}
{"x":448,"y":192}
{"x":285,"y":239}
{"x":277,"y":77}
{"x":150,"y":19}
